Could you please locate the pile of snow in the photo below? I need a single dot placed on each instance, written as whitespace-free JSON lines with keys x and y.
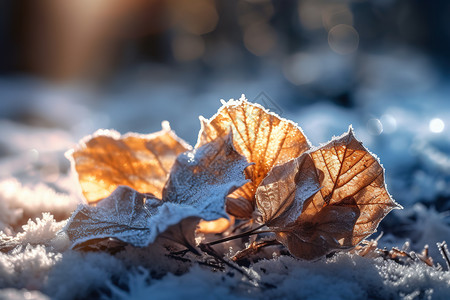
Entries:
{"x":36,"y":262}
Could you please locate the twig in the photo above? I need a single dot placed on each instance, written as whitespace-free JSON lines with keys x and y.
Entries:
{"x":203,"y":263}
{"x":182,"y":259}
{"x":244,"y":234}
{"x":445,"y":253}
{"x":209,"y":250}
{"x":181,"y":252}
{"x":243,"y":224}
{"x":253,"y":249}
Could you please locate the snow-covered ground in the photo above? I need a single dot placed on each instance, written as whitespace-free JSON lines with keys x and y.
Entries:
{"x":402,"y":116}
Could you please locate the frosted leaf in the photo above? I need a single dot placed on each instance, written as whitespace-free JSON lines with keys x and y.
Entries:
{"x":264,"y":138}
{"x":350,"y":202}
{"x":197,"y":187}
{"x":128,"y":216}
{"x":122,"y":215}
{"x":281,"y":195}
{"x":203,"y":177}
{"x":106,"y":160}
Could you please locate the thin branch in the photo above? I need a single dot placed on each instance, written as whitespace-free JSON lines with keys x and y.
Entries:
{"x":209,"y":250}
{"x":233,"y":237}
{"x":254,"y":248}
{"x":445,"y":253}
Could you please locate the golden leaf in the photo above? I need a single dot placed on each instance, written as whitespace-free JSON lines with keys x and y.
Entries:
{"x":281,"y":195}
{"x":106,"y":160}
{"x":199,"y":182}
{"x":264,"y":138}
{"x":325,"y":200}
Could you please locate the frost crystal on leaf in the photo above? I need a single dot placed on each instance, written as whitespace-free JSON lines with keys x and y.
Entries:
{"x":264,"y":138}
{"x":122,"y":215}
{"x":340,"y":190}
{"x":316,"y":201}
{"x":106,"y":160}
{"x":281,"y":195}
{"x":203,"y":177}
{"x":197,"y":187}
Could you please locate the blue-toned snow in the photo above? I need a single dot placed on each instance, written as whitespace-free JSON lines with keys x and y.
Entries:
{"x":402,"y":114}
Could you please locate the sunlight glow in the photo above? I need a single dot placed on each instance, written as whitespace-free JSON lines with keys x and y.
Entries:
{"x":436,"y":125}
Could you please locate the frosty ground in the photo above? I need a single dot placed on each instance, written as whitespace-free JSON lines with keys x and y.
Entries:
{"x":38,"y":193}
{"x":42,"y":267}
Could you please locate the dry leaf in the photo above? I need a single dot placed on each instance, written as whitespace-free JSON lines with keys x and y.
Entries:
{"x":216,"y":226}
{"x":134,"y":218}
{"x":106,"y":160}
{"x":203,"y":177}
{"x":197,"y":187}
{"x":262,"y":137}
{"x":122,"y":215}
{"x":340,"y":191}
{"x":281,"y":195}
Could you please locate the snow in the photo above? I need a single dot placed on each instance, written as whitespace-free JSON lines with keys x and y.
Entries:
{"x":37,"y":192}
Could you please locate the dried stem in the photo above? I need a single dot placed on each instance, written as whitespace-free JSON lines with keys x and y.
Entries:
{"x":209,"y":250}
{"x":244,"y":234}
{"x":253,"y":249}
{"x":445,"y":253}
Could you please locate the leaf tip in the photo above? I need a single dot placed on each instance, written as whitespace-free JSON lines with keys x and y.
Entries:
{"x":165,"y":125}
{"x":69,"y":154}
{"x":351,"y":131}
{"x":396,"y":205}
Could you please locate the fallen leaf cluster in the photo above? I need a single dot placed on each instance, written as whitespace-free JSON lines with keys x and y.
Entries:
{"x":248,"y":165}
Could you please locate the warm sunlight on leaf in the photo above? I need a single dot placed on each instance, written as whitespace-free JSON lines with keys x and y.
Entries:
{"x":339,"y":190}
{"x":262,"y":137}
{"x":216,"y":226}
{"x":106,"y":160}
{"x":197,"y":188}
{"x":281,"y":195}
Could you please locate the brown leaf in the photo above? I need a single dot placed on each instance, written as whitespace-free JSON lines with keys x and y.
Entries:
{"x":197,"y":187}
{"x":350,"y":202}
{"x":134,"y":218}
{"x":262,"y":137}
{"x":281,"y":195}
{"x":106,"y":160}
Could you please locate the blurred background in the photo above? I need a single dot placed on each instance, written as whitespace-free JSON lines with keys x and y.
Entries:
{"x":70,"y":67}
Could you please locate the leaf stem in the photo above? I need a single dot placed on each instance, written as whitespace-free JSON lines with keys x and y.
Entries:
{"x":253,"y":249}
{"x":244,"y":234}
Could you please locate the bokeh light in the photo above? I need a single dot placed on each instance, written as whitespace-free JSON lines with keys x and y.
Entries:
{"x":259,"y":38}
{"x":389,"y":123}
{"x":188,"y":47}
{"x":343,"y":39}
{"x":301,"y":68}
{"x":436,"y":125}
{"x":130,"y":64}
{"x":374,"y":127}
